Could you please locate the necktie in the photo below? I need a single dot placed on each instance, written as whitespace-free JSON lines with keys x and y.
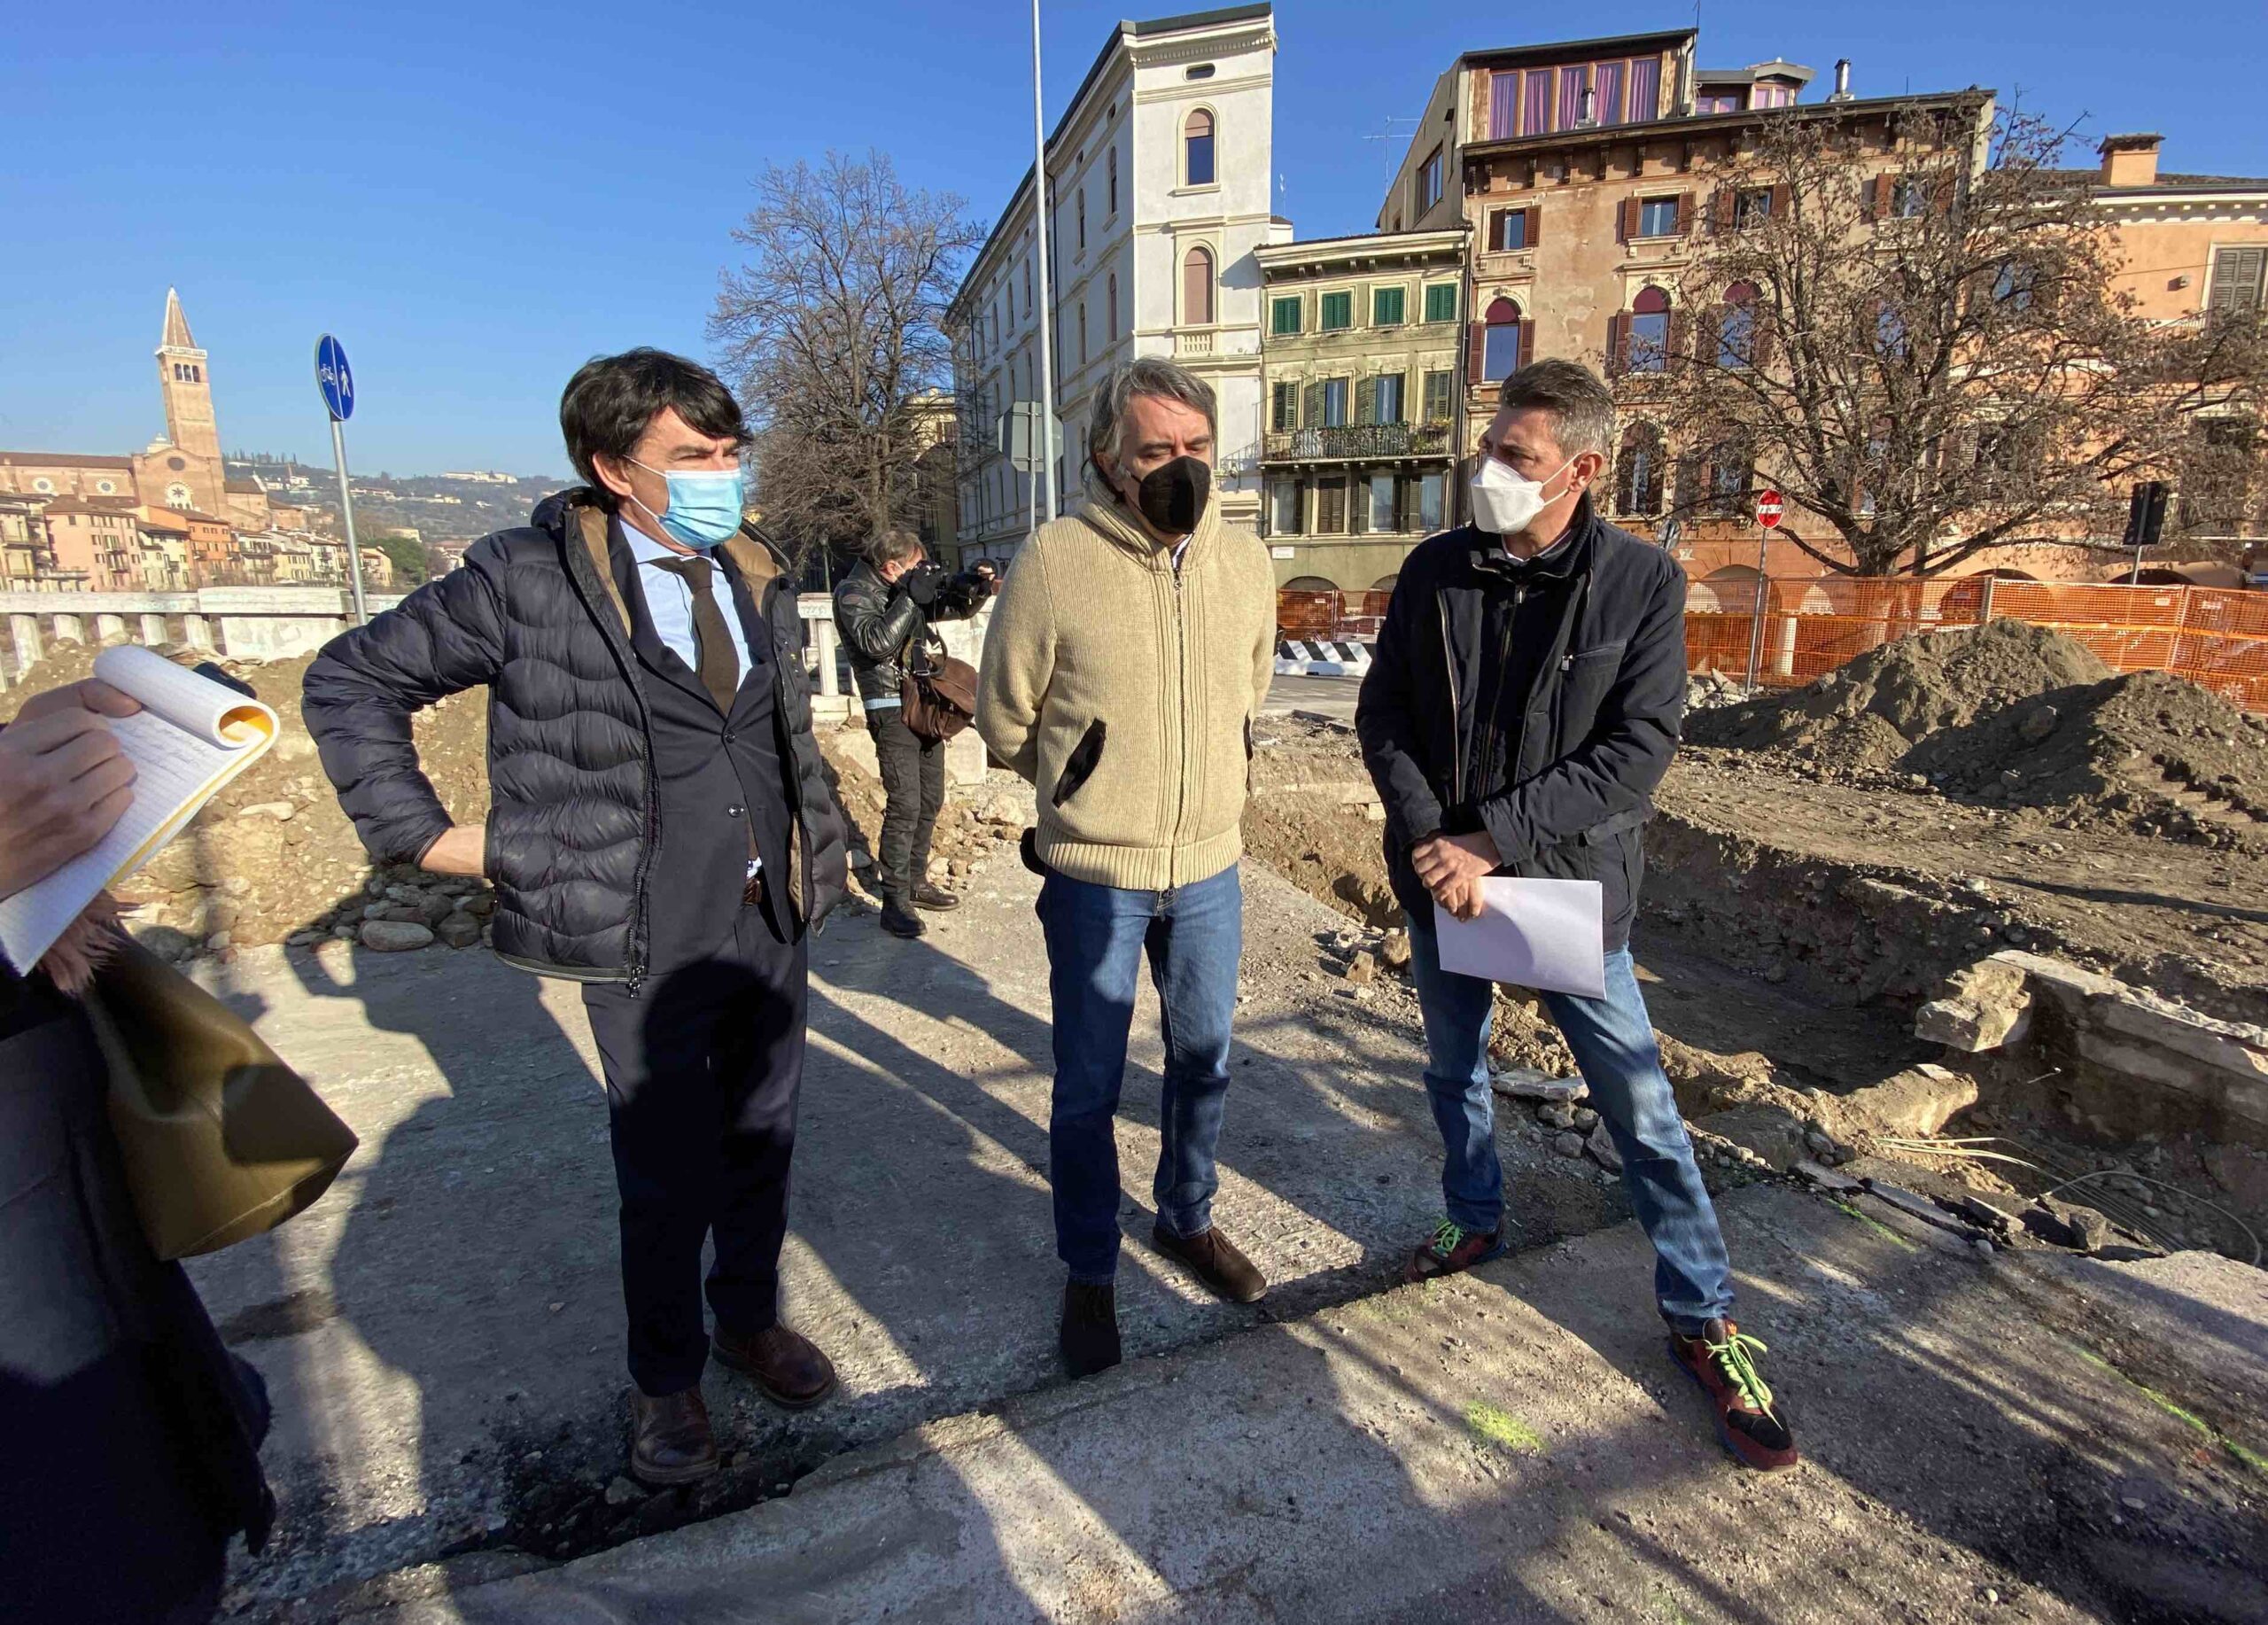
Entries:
{"x":717,"y":661}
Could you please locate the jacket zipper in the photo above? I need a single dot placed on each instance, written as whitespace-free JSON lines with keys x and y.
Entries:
{"x":1457,"y":712}
{"x":1181,"y":705}
{"x":1486,"y":749}
{"x":653,"y":813}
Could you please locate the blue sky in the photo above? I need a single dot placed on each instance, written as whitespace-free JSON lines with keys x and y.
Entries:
{"x":477,"y":197}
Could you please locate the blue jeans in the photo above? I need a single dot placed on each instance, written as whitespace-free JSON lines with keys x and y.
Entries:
{"x":1096,"y":939}
{"x":1613,"y":1045}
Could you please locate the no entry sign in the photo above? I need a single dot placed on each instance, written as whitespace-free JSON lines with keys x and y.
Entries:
{"x":1767,"y":510}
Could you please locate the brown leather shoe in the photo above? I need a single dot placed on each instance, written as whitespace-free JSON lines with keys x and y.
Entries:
{"x":787,"y":1368}
{"x":1215,"y":1261}
{"x":670,"y":1440}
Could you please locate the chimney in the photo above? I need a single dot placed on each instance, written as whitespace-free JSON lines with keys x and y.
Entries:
{"x":2130,"y":160}
{"x":1842,"y":91}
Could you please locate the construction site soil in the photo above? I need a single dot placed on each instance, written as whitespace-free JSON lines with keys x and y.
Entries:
{"x":1820,"y":861}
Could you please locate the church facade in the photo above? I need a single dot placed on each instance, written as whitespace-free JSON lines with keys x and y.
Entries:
{"x":180,"y":470}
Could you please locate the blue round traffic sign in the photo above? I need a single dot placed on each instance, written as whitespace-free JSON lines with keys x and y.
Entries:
{"x":334,"y":377}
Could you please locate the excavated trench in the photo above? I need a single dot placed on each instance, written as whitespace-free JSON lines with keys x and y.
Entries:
{"x":1792,"y":925}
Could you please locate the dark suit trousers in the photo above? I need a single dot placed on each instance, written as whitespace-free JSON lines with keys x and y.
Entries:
{"x":702,"y":1074}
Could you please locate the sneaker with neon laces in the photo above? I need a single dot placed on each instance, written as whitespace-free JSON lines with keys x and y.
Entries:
{"x":1452,"y":1249}
{"x":1750,"y":1424}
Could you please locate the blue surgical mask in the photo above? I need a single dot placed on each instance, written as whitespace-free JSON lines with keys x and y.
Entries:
{"x":704,"y":506}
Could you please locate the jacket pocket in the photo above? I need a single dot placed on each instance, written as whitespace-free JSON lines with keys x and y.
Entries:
{"x":1079,"y":766}
{"x":1585,"y":677}
{"x":1247,"y":756}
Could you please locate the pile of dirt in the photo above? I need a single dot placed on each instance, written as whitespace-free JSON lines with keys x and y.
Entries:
{"x":978,"y":820}
{"x":2017,"y":716}
{"x":1867,"y":713}
{"x":2121,"y":743}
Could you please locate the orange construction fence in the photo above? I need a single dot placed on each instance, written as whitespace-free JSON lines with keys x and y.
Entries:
{"x":2215,"y":637}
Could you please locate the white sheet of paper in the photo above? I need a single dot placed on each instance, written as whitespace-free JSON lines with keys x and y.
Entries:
{"x":1543,"y":933}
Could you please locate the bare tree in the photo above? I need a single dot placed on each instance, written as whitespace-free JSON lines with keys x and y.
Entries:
{"x":1925,"y":349}
{"x":830,"y":331}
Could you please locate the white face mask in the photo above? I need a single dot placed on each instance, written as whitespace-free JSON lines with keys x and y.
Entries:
{"x":1504,"y":503}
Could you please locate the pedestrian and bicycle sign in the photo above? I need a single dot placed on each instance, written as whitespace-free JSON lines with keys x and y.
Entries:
{"x":1769,"y":509}
{"x":335,"y":378}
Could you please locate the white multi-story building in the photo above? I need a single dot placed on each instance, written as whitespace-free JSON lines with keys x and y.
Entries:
{"x":1158,"y":176}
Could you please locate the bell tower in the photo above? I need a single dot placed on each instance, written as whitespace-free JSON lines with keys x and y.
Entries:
{"x":190,"y":423}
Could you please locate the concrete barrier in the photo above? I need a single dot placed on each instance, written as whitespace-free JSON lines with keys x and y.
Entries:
{"x":243,"y":622}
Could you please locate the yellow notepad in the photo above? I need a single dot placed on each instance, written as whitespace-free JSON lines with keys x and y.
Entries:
{"x":191,"y":736}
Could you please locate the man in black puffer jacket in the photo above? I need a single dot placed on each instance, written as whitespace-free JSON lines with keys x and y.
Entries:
{"x":1524,"y":702}
{"x":883,"y":610}
{"x":660,"y":829}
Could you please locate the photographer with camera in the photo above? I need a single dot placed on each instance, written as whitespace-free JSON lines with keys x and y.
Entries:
{"x":883,"y":610}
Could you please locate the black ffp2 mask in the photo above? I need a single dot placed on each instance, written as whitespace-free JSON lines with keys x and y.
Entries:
{"x":1172,"y":495}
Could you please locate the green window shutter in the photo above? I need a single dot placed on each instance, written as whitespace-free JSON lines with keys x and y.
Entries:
{"x":1338,"y":311}
{"x":1440,"y":302}
{"x":1288,"y":314}
{"x":1440,"y":396}
{"x":1314,"y":404}
{"x":1386,"y":306}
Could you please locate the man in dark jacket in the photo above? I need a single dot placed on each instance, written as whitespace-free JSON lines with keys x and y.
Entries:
{"x":1524,"y":702}
{"x":883,"y":610}
{"x":660,"y":829}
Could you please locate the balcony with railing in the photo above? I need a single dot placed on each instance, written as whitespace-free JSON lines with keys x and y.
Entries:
{"x":1358,"y":443}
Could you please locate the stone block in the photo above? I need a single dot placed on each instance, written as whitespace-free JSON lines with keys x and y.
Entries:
{"x":1985,"y":1006}
{"x":2222,"y":1044}
{"x":459,"y":930}
{"x":1918,"y":1102}
{"x":394,"y":935}
{"x":2146,"y":1063}
{"x":2071,"y":985}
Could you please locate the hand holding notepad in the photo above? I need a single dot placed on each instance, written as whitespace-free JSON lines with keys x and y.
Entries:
{"x":191,"y":736}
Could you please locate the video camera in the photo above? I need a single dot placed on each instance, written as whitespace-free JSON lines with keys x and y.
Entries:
{"x":947,"y":594}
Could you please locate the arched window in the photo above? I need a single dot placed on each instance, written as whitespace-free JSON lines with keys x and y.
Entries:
{"x":1732,"y":471}
{"x":1730,"y":590}
{"x":1111,"y":164}
{"x":1082,"y":333}
{"x":1110,"y":325}
{"x":1736,"y":327}
{"x":1638,"y":480}
{"x":1649,"y":331}
{"x":1197,"y":287}
{"x":1197,"y":145}
{"x":1500,"y":342}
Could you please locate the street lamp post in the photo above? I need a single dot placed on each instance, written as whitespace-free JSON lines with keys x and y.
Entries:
{"x":1044,"y":477}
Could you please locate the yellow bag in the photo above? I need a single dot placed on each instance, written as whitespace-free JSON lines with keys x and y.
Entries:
{"x":220,"y":1139}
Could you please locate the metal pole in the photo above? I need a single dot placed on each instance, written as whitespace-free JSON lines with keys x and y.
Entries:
{"x":1756,"y":625}
{"x":1043,"y":477}
{"x":347,"y":509}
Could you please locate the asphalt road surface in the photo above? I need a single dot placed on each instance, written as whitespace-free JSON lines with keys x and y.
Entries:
{"x":1329,"y":696}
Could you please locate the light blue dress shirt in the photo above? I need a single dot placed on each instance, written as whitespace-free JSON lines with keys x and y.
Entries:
{"x":669,"y":598}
